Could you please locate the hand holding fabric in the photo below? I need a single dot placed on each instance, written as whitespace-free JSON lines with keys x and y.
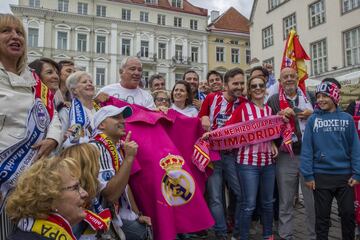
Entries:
{"x":45,"y":147}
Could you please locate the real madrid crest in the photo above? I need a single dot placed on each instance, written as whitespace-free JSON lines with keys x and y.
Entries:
{"x":177,"y":185}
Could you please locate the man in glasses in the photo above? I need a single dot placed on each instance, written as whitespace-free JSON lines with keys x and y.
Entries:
{"x":215,"y":111}
{"x":297,"y":106}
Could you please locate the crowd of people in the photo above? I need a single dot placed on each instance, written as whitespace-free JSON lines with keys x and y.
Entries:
{"x":66,"y":159}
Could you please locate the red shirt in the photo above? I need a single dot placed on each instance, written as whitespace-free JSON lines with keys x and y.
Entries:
{"x":218,"y":109}
{"x":257,"y":154}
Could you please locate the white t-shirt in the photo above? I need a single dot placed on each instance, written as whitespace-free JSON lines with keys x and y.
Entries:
{"x":189,"y":111}
{"x":137,"y":95}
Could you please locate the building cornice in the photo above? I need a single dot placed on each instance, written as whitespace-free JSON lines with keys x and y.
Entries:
{"x":68,"y":17}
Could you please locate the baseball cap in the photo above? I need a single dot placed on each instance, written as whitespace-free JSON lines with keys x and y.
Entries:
{"x":110,"y":111}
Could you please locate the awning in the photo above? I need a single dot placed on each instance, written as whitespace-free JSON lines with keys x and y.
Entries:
{"x":349,"y":79}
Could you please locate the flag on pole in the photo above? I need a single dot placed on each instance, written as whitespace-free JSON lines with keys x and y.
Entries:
{"x":294,"y":57}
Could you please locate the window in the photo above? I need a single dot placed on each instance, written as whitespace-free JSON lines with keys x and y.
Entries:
{"x":267,"y":36}
{"x":34,"y":3}
{"x":144,"y":17}
{"x":219,"y":40}
{"x":219,"y":54}
{"x":269,"y":61}
{"x":100,"y":11}
{"x":100,"y":44}
{"x":318,"y":57}
{"x":234,"y":55}
{"x":145,"y":79}
{"x":177,"y":21}
{"x":144,"y":49}
{"x":348,"y":5}
{"x":194,"y":54}
{"x":176,"y":3}
{"x":125,"y":47}
{"x":178,"y":76}
{"x":248,"y":56}
{"x":81,"y":42}
{"x":162,"y":51}
{"x":63,"y":5}
{"x":317,"y":13}
{"x":33,"y":39}
{"x":62,"y":40}
{"x":178,"y":52}
{"x":82,"y":8}
{"x":274,"y":3}
{"x":289,"y":23}
{"x":234,"y":42}
{"x":100,"y":77}
{"x":352,"y":47}
{"x":193,"y":24}
{"x":150,"y":1}
{"x":126,"y":14}
{"x":161,"y":19}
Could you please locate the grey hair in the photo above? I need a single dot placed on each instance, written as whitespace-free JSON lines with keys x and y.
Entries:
{"x":125,"y":60}
{"x":73,"y":80}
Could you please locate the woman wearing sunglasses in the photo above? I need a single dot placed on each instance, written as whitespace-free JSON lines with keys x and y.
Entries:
{"x":255,"y":166}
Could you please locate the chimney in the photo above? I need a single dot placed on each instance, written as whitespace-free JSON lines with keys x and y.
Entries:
{"x":214,"y":14}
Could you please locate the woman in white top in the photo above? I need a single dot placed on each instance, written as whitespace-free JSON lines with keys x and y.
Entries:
{"x":181,"y":98}
{"x":79,"y":118}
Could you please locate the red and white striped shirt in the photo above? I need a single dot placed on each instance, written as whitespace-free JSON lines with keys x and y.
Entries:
{"x":257,"y":154}
{"x":218,"y":109}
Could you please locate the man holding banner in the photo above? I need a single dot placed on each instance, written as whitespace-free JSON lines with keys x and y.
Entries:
{"x":293,"y":103}
{"x":215,"y":111}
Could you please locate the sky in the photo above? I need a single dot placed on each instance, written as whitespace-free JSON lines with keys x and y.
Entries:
{"x":243,"y":6}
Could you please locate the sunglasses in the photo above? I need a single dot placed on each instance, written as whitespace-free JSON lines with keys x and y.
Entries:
{"x":259,"y":85}
{"x":160,"y":99}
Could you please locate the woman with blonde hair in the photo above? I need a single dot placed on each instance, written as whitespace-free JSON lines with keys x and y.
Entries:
{"x":161,"y":98}
{"x":88,"y":158}
{"x":47,"y":196}
{"x":29,"y":126}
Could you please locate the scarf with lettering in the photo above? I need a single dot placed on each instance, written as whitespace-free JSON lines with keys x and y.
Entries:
{"x":54,"y":227}
{"x":16,"y":158}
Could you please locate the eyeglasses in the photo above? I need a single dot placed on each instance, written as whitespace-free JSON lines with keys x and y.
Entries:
{"x":259,"y":85}
{"x":75,"y":188}
{"x":160,"y":99}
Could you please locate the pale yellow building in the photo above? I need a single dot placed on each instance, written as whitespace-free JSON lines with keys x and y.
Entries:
{"x":228,"y":41}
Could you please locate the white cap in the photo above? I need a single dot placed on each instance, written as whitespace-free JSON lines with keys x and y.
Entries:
{"x":110,"y":111}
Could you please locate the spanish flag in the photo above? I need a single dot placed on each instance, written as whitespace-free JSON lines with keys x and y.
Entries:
{"x":294,"y":57}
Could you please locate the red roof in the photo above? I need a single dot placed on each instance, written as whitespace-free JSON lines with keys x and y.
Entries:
{"x":230,"y":21}
{"x":165,"y":4}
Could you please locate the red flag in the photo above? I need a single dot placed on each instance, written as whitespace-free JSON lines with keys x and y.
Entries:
{"x":294,"y":57}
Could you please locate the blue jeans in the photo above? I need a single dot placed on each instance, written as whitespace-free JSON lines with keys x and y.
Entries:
{"x":215,"y":192}
{"x":250,"y":178}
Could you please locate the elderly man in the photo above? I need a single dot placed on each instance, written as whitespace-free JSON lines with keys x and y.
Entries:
{"x":193,"y":78}
{"x":128,"y":89}
{"x":156,"y":82}
{"x":292,"y":103}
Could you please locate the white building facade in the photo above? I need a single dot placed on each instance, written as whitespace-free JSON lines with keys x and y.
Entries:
{"x":169,"y":38}
{"x":329,"y":31}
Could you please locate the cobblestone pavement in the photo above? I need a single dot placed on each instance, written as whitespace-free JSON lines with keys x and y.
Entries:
{"x":300,"y":226}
